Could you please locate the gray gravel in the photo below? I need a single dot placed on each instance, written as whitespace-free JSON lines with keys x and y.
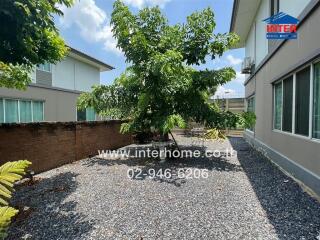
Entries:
{"x":244,"y":197}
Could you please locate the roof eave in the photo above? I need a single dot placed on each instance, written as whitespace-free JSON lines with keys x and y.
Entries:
{"x":101,"y":65}
{"x":234,"y":14}
{"x":243,"y":14}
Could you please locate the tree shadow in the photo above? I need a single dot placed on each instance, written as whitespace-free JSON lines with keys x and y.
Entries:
{"x":49,"y":215}
{"x":292,"y":212}
{"x":142,"y":166}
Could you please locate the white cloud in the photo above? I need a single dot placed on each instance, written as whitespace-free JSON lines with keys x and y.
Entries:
{"x":92,"y":22}
{"x":233,"y":60}
{"x":223,"y":92}
{"x":240,"y":78}
{"x":143,"y":3}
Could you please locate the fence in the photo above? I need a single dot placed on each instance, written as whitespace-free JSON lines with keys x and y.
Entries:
{"x":49,"y":145}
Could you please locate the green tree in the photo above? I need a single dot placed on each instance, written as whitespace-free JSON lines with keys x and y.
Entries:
{"x":161,"y":89}
{"x":28,"y":37}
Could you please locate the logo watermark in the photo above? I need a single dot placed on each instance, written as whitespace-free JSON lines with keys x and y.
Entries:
{"x":281,"y":26}
{"x":166,"y":153}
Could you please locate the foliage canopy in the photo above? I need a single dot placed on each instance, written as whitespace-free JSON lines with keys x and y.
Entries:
{"x":161,"y":88}
{"x":28,"y":37}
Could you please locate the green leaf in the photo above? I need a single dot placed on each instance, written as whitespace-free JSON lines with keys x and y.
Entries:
{"x":10,"y":172}
{"x":6,"y":214}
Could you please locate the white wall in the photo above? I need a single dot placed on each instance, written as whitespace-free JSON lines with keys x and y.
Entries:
{"x":262,"y":42}
{"x":259,"y":49}
{"x":73,"y":74}
{"x":86,"y":76}
{"x":250,"y":43}
{"x":258,"y":27}
{"x":293,"y":7}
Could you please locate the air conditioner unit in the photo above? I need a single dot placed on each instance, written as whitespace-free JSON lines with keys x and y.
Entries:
{"x":247,"y":66}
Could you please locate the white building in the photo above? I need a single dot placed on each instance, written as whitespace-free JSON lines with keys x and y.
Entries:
{"x":282,"y":84}
{"x":54,"y":90}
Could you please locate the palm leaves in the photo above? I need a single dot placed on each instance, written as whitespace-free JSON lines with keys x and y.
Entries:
{"x":10,"y":172}
{"x":6,"y":213}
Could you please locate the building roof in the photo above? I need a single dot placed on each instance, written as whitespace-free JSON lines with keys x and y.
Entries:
{"x":89,"y":60}
{"x":243,"y":14}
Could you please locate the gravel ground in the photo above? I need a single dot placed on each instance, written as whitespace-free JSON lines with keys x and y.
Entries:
{"x":244,"y":197}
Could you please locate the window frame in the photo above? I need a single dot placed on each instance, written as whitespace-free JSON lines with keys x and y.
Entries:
{"x":86,"y":120}
{"x":311,"y":102}
{"x":41,"y":68}
{"x":253,"y":98}
{"x":19,"y":118}
{"x":274,"y":105}
{"x":274,"y":7}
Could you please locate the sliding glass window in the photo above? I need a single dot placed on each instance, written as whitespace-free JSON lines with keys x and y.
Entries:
{"x":1,"y":111}
{"x":302,"y":102}
{"x":251,"y":107}
{"x":90,"y":114}
{"x":21,"y":111}
{"x":11,"y":111}
{"x":316,"y":102}
{"x":86,"y":115}
{"x":287,"y":104}
{"x":25,"y":111}
{"x":251,"y":104}
{"x":278,"y":106}
{"x":37,"y":112}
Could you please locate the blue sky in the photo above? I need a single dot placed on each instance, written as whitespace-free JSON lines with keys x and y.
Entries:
{"x":86,"y":27}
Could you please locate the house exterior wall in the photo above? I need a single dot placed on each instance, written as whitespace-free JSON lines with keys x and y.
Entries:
{"x":293,"y":7}
{"x":58,"y":88}
{"x":43,"y":78}
{"x":73,"y":74}
{"x":296,"y":154}
{"x":59,"y":105}
{"x":262,"y":42}
{"x":256,"y":44}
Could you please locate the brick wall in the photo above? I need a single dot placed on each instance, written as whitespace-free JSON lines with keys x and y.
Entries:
{"x":49,"y":145}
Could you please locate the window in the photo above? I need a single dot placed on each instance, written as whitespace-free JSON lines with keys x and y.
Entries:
{"x":37,"y":111}
{"x":25,"y":111}
{"x":21,"y":111}
{"x":44,"y":67}
{"x":274,"y":7}
{"x":11,"y":111}
{"x":1,"y":111}
{"x":278,"y":106}
{"x":297,"y":103}
{"x":81,"y":115}
{"x":316,"y":102}
{"x":283,"y":102}
{"x":86,"y":115}
{"x":251,"y":107}
{"x":287,"y":104}
{"x":90,"y":114}
{"x":302,"y":102}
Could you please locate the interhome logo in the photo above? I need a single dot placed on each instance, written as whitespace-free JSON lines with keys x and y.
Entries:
{"x":281,"y":26}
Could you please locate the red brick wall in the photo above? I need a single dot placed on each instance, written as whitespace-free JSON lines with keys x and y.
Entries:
{"x":49,"y":145}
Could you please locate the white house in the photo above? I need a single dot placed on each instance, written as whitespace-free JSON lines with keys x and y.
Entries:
{"x":282,"y":84}
{"x":54,"y":90}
